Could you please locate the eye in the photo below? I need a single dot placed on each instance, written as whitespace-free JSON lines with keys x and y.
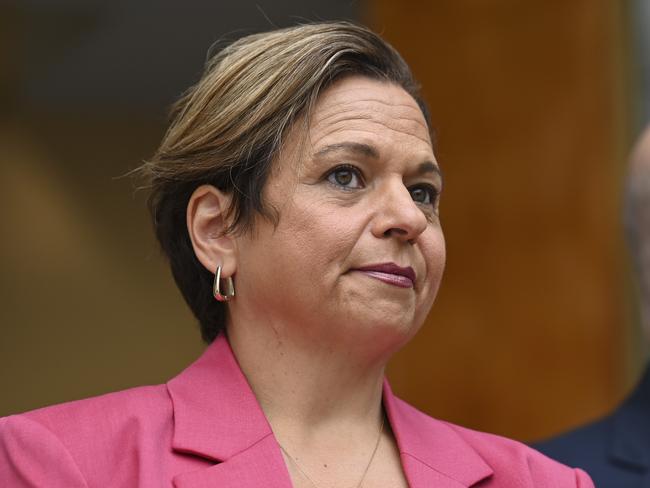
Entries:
{"x":347,"y":177}
{"x":424,"y":194}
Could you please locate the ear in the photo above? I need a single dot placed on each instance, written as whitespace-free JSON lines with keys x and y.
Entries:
{"x":206,"y":224}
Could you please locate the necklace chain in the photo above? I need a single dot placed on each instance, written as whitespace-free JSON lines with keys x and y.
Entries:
{"x":365,"y":471}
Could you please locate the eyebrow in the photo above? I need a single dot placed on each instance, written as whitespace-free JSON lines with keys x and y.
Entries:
{"x":370,"y":152}
{"x":355,"y":147}
{"x":429,"y":167}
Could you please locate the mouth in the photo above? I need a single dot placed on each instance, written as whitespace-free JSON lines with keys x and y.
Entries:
{"x":390,"y":273}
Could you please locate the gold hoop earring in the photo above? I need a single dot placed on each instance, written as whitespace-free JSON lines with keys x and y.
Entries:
{"x":229,"y":287}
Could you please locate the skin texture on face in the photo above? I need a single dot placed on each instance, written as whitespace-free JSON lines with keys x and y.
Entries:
{"x":357,"y":199}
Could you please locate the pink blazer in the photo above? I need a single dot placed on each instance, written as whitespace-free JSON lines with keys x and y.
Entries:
{"x":206,"y":429}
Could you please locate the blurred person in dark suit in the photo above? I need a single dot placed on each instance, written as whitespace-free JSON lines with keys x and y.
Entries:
{"x":615,"y":450}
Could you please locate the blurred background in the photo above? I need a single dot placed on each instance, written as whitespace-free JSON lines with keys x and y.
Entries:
{"x":535,"y":105}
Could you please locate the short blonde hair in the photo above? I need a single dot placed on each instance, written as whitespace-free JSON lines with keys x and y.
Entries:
{"x":227,"y":129}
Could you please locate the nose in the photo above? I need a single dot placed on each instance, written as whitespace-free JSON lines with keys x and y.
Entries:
{"x":397,"y":215}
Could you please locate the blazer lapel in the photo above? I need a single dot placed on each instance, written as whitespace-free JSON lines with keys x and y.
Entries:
{"x":259,"y":465}
{"x":217,"y":417}
{"x":432,"y":453}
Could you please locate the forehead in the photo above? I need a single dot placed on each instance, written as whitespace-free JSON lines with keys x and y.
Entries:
{"x":368,"y":109}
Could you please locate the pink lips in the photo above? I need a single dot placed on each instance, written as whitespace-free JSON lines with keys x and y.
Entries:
{"x":390,"y":273}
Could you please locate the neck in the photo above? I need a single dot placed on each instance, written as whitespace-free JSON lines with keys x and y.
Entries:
{"x":322,"y":398}
{"x":305,"y":390}
{"x":307,"y":385}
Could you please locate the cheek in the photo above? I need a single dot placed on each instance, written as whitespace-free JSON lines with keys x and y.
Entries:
{"x":319,"y":237}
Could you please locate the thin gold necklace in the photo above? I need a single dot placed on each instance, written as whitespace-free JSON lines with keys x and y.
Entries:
{"x":365,"y":471}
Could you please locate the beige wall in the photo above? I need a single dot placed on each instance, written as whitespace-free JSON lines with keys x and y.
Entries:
{"x":88,"y":303}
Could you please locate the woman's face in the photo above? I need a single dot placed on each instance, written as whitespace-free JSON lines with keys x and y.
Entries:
{"x":358,"y":251}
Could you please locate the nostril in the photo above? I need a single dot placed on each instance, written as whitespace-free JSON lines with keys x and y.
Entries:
{"x":395,"y":230}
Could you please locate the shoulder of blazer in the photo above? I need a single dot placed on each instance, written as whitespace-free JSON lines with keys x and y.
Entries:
{"x":471,"y":457}
{"x":512,"y":460}
{"x":69,"y":440}
{"x":31,"y":455}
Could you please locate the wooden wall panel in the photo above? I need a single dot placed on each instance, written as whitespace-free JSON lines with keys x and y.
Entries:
{"x":529,"y":333}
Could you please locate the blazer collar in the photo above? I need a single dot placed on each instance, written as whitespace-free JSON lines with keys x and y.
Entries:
{"x":630,"y":442}
{"x":216,"y":416}
{"x":433,"y":454}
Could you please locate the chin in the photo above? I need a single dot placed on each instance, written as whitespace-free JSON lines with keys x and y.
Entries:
{"x":396,"y":329}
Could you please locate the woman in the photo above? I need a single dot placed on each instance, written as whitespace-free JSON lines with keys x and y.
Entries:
{"x":296,"y":196}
